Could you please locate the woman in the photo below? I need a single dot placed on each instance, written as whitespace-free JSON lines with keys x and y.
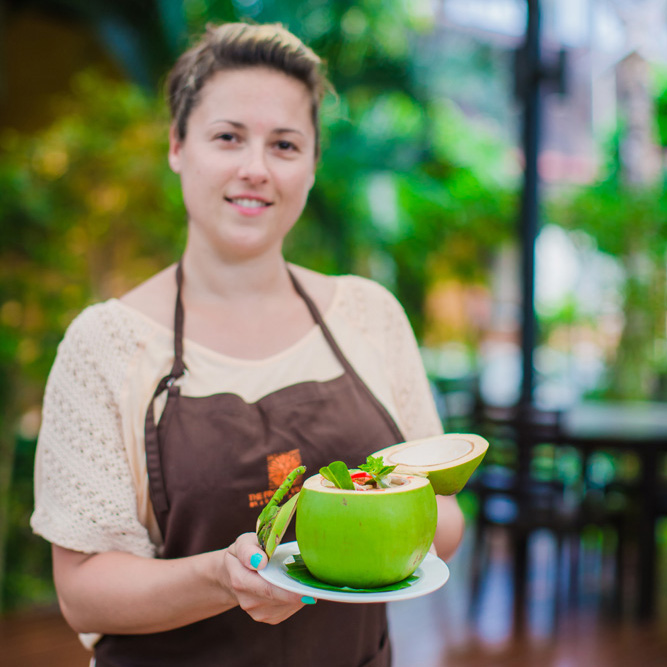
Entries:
{"x":172,"y":414}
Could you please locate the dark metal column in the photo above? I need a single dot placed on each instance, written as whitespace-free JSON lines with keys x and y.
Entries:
{"x":528,"y":80}
{"x":530,"y":77}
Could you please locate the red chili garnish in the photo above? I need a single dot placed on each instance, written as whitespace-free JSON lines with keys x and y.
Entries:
{"x":361,"y":477}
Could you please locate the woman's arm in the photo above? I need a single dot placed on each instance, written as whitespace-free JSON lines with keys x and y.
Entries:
{"x":120,"y":593}
{"x":451,"y":524}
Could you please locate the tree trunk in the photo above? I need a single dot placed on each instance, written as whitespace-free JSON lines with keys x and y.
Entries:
{"x":632,"y":376}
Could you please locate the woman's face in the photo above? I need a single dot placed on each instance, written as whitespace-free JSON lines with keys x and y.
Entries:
{"x":247,"y":161}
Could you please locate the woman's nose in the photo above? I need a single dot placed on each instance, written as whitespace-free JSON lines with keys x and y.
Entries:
{"x":253,"y":167}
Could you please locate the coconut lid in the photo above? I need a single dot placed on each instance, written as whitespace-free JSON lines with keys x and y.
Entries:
{"x":447,"y":460}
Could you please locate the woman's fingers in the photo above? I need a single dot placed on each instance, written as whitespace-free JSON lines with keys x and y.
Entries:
{"x":261,"y":600}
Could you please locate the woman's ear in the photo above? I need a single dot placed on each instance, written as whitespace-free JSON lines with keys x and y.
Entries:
{"x":175,"y":145}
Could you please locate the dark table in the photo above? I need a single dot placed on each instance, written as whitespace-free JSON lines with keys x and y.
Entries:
{"x":640,"y":428}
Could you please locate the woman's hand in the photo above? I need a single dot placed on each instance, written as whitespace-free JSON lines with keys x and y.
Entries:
{"x":262,"y":601}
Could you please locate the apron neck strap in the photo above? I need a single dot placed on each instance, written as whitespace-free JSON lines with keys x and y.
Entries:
{"x":317,"y":316}
{"x":179,"y":322}
{"x":319,"y":320}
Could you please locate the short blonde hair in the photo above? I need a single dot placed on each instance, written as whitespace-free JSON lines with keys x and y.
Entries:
{"x":236,"y":46}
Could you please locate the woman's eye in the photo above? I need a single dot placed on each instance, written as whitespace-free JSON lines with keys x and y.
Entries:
{"x":285,"y":145}
{"x":227,"y":137}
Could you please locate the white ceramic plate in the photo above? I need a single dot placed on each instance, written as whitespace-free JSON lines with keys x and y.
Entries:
{"x":431,"y":575}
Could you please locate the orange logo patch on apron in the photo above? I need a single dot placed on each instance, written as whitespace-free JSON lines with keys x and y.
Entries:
{"x":278,"y":467}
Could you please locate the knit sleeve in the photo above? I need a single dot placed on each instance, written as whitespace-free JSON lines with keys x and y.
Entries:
{"x":411,"y":388}
{"x":84,"y":495}
{"x":382,"y":318}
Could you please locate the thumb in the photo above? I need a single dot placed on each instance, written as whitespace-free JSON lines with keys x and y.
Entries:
{"x":248,"y":552}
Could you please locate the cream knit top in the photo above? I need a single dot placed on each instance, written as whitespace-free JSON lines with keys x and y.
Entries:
{"x":91,"y":484}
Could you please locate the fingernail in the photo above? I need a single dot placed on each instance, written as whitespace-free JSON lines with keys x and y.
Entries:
{"x":255,"y":560}
{"x":306,"y":599}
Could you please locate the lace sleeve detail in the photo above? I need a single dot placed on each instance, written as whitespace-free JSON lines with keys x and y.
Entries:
{"x":84,"y":494}
{"x":382,"y":318}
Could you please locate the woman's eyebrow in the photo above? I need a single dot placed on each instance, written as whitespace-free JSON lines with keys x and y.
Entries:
{"x":233,"y":123}
{"x":287,"y":130}
{"x":242,"y":126}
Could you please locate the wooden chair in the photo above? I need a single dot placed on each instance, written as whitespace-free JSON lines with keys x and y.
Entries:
{"x":525,"y":489}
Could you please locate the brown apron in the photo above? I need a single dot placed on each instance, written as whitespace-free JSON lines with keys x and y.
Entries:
{"x":213,"y":463}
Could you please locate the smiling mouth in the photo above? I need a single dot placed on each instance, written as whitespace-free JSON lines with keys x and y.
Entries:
{"x":248,"y":203}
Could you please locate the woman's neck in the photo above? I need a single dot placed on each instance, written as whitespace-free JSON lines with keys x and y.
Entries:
{"x":212,"y":279}
{"x":245,"y":309}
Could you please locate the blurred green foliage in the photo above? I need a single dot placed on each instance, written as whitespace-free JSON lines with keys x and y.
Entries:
{"x":88,"y":210}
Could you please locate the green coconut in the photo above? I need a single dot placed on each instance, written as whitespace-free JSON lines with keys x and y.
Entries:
{"x":447,"y":460}
{"x":365,"y":539}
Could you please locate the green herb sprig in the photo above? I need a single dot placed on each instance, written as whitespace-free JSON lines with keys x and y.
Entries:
{"x":376,"y":468}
